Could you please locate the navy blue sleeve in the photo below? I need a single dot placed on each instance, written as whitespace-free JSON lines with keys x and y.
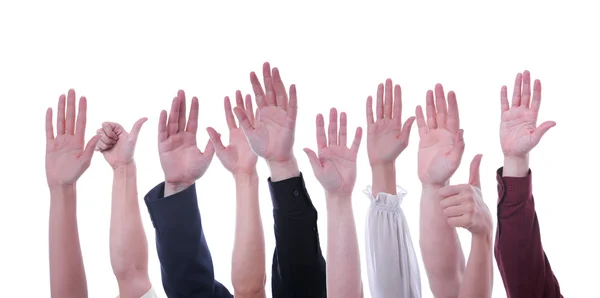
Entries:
{"x":185,"y":261}
{"x":298,"y":264}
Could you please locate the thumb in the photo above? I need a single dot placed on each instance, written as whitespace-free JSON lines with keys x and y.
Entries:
{"x":474,"y":175}
{"x":405,"y":133}
{"x":314,"y":161}
{"x":541,"y":130}
{"x":456,"y":152}
{"x":209,"y":150}
{"x":135,"y":130}
{"x":88,"y":152}
{"x":215,"y":138}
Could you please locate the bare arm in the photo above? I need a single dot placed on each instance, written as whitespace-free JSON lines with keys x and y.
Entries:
{"x":67,"y":274}
{"x":479,"y":274}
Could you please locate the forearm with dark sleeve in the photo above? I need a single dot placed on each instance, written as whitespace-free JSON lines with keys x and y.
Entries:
{"x":523,"y":265}
{"x":185,"y":260}
{"x":298,"y":263}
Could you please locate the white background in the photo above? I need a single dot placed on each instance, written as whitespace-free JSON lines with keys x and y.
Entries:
{"x":130,"y":59}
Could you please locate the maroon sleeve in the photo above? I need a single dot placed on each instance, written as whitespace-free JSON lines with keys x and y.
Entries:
{"x":524,"y":267}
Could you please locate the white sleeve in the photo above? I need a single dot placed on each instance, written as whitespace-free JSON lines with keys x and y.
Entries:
{"x":392,"y":264}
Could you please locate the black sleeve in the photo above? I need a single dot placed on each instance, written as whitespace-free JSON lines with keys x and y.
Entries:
{"x":298,"y":263}
{"x":185,"y":261}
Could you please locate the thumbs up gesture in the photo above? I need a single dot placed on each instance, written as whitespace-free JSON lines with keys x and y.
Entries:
{"x":116,"y":144}
{"x":463,"y":204}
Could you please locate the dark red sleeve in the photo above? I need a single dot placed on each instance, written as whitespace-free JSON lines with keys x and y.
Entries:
{"x":524,"y":267}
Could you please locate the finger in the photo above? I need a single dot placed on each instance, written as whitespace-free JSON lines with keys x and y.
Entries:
{"x":343,"y":134}
{"x":192,"y":125}
{"x":526,"y":94}
{"x":379,"y":104}
{"x":369,"y":110}
{"x":104,"y":143}
{"x":504,"y":99}
{"x":458,"y":221}
{"x":397,"y":109}
{"x":137,"y":126}
{"x":321,"y":137}
{"x":49,"y":128}
{"x":388,"y":96}
{"x":215,"y":138}
{"x":239,"y":100}
{"x":430,"y":109}
{"x":70,"y":119}
{"x":453,"y":120}
{"x":209,"y":150}
{"x":421,"y":124}
{"x":88,"y":152}
{"x":450,"y":190}
{"x":474,"y":172}
{"x":293,"y":104}
{"x":455,"y":199}
{"x":108,"y":129}
{"x":243,"y":120}
{"x":162,"y":126}
{"x":537,"y":96}
{"x":516,"y":100}
{"x":457,"y":150}
{"x":60,"y":116}
{"x":269,"y":85}
{"x":456,"y":211}
{"x":440,"y":103}
{"x":259,"y":94}
{"x":314,"y":162}
{"x":173,"y":122}
{"x":249,"y":109}
{"x":229,"y":114}
{"x":333,"y":127}
{"x":357,"y":138}
{"x":405,"y":133}
{"x":281,"y":96}
{"x":541,"y":130}
{"x":81,"y":119}
{"x":182,"y":110}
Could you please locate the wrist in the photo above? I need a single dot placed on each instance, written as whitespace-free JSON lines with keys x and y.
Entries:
{"x":173,"y":188}
{"x":516,"y":166}
{"x":245,"y":176}
{"x":282,"y":170}
{"x":61,"y":191}
{"x":383,"y":178}
{"x":337,"y":200}
{"x":124,"y":168}
{"x":483,"y":238}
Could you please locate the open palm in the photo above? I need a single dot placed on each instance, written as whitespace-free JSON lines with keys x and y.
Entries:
{"x":518,"y":130}
{"x":180,"y":158}
{"x":441,"y":144}
{"x":66,"y":157}
{"x":119,"y":153}
{"x":335,"y":164}
{"x":237,"y":157}
{"x":386,"y":137}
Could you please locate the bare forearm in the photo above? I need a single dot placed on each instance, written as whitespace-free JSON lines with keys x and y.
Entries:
{"x":343,"y":260}
{"x":479,"y":274}
{"x":67,"y":273}
{"x":248,"y":262}
{"x":440,"y":247}
{"x":516,"y":166}
{"x":128,"y":244}
{"x":384,"y":179}
{"x":283,"y":170}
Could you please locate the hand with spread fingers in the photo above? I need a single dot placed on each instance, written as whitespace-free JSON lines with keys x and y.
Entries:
{"x":116,"y":144}
{"x":237,"y":157}
{"x":335,"y":164}
{"x":181,"y":160}
{"x":519,"y":131}
{"x":463,"y":204}
{"x":387,"y":137}
{"x":441,"y":146}
{"x":66,"y":156}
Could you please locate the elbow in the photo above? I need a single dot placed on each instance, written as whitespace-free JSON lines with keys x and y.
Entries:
{"x":250,"y":287}
{"x":445,"y":282}
{"x":133,"y":279}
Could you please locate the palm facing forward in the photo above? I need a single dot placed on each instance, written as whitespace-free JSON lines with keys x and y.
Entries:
{"x":271,"y":136}
{"x":441,"y":145}
{"x":180,"y":158}
{"x":335,"y":165}
{"x":116,"y":144}
{"x":386,"y":137}
{"x":66,"y":158}
{"x":238,"y":157}
{"x":518,"y":130}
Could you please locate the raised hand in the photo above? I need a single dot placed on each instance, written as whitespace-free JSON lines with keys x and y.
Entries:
{"x":116,"y":144}
{"x":441,"y":146}
{"x":386,"y":136}
{"x":66,"y":156}
{"x":271,"y":134}
{"x":335,"y":164}
{"x":518,"y":130}
{"x":463,"y":204}
{"x":238,"y":157}
{"x":182,"y":162}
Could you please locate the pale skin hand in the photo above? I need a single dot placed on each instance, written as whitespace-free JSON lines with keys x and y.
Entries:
{"x":116,"y":144}
{"x":335,"y":168}
{"x":181,"y":160}
{"x":66,"y":160}
{"x":519,"y":132}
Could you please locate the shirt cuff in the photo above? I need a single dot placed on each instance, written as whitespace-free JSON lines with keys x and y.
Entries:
{"x":513,"y":189}
{"x":386,"y":201}
{"x":290,"y":195}
{"x":169,"y":210}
